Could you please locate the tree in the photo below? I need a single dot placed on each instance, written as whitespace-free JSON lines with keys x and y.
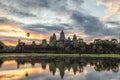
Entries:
{"x":74,"y":38}
{"x":118,"y":48}
{"x":75,"y":45}
{"x":44,"y":43}
{"x":113,"y":45}
{"x":67,"y":48}
{"x":60,"y":46}
{"x":2,"y":45}
{"x":98,"y":45}
{"x":81,"y":44}
{"x":75,"y":42}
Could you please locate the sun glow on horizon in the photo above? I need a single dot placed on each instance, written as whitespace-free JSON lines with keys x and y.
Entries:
{"x":15,"y":32}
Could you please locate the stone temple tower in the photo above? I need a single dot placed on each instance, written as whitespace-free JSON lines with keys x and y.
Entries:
{"x":62,"y":36}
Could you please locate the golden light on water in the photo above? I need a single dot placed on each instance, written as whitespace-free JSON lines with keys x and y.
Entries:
{"x":10,"y":72}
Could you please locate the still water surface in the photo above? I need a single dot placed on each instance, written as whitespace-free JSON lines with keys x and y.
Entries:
{"x":59,"y":68}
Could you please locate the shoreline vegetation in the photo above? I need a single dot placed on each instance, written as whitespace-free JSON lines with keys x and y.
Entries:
{"x":69,"y":45}
{"x":65,"y":47}
{"x":57,"y":55}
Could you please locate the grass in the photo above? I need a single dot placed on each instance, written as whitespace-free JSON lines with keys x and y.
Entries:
{"x":49,"y":54}
{"x":35,"y":54}
{"x":102,"y":55}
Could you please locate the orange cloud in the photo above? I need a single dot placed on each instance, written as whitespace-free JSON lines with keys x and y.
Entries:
{"x":15,"y":32}
{"x":113,"y":5}
{"x":10,"y":43}
{"x":107,"y":3}
{"x":118,"y":7}
{"x":11,"y":30}
{"x":114,"y":9}
{"x":38,"y":36}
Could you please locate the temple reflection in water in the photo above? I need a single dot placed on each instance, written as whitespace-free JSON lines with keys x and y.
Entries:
{"x":63,"y":63}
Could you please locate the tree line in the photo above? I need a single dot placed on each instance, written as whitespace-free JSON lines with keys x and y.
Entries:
{"x":72,"y":46}
{"x":79,"y":46}
{"x":5,"y":48}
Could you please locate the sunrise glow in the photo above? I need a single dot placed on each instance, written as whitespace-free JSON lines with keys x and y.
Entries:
{"x":74,"y":17}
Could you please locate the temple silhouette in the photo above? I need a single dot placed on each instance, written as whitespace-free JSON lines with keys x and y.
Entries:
{"x":62,"y":64}
{"x":69,"y":45}
{"x":54,"y":45}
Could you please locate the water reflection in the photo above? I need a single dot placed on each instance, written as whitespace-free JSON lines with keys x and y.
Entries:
{"x":22,"y":68}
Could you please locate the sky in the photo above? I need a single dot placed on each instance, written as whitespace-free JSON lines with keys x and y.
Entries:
{"x":9,"y":71}
{"x":88,"y":19}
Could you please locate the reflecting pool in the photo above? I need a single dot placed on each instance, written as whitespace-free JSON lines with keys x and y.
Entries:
{"x":59,"y":68}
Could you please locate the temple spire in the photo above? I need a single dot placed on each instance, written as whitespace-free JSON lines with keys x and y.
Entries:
{"x":54,"y":37}
{"x":74,"y":38}
{"x":62,"y":36}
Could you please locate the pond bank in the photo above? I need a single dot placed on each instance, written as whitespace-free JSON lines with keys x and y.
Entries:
{"x":57,"y":55}
{"x":55,"y":58}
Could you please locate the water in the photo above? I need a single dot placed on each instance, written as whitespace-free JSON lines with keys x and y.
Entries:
{"x":59,"y":68}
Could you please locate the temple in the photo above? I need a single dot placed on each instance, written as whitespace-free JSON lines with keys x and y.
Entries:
{"x":64,"y":44}
{"x":54,"y":45}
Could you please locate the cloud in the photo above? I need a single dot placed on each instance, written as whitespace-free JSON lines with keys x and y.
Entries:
{"x":10,"y":34}
{"x":28,"y":5}
{"x":92,"y":26}
{"x":101,"y":76}
{"x":113,"y":5}
{"x":12,"y":10}
{"x":91,"y":75}
{"x":113,"y":8}
{"x":45,"y":17}
{"x":39,"y":11}
{"x":40,"y":28}
{"x":117,"y":23}
{"x":13,"y":41}
{"x":4,"y":19}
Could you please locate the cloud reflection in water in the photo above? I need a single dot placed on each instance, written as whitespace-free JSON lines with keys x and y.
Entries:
{"x":49,"y":70}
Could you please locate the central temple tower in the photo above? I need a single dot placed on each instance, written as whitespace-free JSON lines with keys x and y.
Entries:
{"x":62,"y":36}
